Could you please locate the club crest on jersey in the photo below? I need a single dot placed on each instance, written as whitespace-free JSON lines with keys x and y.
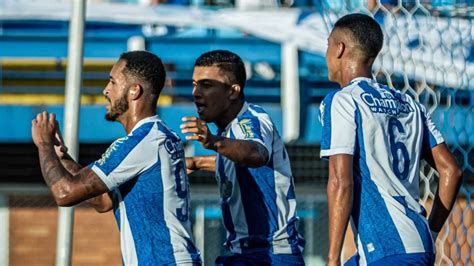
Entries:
{"x":386,"y":103}
{"x":113,"y":147}
{"x":246,"y":126}
{"x":174,"y":148}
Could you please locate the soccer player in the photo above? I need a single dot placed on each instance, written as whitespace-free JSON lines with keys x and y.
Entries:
{"x":252,"y":166}
{"x":141,"y":176}
{"x":375,"y":138}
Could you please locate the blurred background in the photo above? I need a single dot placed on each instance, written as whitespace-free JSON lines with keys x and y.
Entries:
{"x":428,"y":53}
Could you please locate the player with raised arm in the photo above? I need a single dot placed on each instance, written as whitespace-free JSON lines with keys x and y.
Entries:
{"x":252,"y":166}
{"x":141,"y":176}
{"x":375,"y":138}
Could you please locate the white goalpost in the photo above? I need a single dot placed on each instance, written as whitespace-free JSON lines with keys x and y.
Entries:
{"x":71,"y":122}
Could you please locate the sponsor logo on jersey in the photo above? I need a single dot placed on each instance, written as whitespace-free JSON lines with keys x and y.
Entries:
{"x":174,"y":148}
{"x":386,"y":103}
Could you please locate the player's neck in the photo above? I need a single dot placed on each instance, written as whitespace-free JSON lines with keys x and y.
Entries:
{"x":132,"y":117}
{"x":354,"y":71}
{"x":230,"y":114}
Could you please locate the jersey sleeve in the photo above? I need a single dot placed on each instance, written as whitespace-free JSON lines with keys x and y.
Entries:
{"x":127,"y":157}
{"x":337,"y":115}
{"x":431,"y":134}
{"x":256,"y":128}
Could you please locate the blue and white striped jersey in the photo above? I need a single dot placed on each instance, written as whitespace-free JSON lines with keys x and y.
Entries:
{"x":386,"y":132}
{"x":145,"y":173}
{"x":258,"y":204}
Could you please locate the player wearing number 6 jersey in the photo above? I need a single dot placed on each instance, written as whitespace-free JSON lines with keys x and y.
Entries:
{"x":141,"y":176}
{"x":375,"y":138}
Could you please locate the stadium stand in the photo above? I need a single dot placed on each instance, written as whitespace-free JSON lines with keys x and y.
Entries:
{"x":33,"y":74}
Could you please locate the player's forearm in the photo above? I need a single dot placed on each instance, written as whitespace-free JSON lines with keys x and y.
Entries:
{"x":339,"y":190}
{"x":56,"y":176}
{"x":246,"y":152}
{"x":71,"y":166}
{"x":450,"y":178}
{"x":51,"y":167}
{"x":339,"y":207}
{"x":205,"y":163}
{"x":449,"y":183}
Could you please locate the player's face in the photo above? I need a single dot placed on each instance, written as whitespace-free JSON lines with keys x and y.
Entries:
{"x":331,"y":57}
{"x":211,"y":92}
{"x":116,"y":92}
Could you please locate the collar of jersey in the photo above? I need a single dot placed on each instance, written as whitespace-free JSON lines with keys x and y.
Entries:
{"x":145,"y":120}
{"x":244,"y":109}
{"x":360,"y":79}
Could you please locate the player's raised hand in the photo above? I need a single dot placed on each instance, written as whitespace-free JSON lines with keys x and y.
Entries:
{"x":43,"y":129}
{"x":199,"y":130}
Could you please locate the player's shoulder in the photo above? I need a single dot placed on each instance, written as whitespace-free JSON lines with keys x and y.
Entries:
{"x":139,"y":132}
{"x":252,"y":111}
{"x":343,"y":96}
{"x":256,"y":109}
{"x":252,"y":120}
{"x":153,"y":129}
{"x":164,"y":131}
{"x":361,"y":85}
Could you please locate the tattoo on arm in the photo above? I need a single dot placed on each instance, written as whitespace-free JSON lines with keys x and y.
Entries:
{"x":91,"y":182}
{"x":71,"y":188}
{"x":71,"y":166}
{"x":51,"y":167}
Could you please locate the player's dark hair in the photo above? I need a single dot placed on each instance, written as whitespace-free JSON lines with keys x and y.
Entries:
{"x":146,"y":68}
{"x":365,"y":31}
{"x":229,"y":63}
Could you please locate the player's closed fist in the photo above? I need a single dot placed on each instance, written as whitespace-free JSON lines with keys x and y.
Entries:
{"x":43,"y":129}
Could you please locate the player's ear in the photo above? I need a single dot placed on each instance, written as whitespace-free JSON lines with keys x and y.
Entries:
{"x":234,"y":92}
{"x":341,"y":47}
{"x":135,"y":91}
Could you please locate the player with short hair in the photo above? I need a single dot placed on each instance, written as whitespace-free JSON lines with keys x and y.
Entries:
{"x":141,"y":176}
{"x":375,"y":138}
{"x":252,"y":166}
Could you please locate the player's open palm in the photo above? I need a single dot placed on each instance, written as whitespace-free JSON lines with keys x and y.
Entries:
{"x":43,"y":129}
{"x":199,"y":130}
